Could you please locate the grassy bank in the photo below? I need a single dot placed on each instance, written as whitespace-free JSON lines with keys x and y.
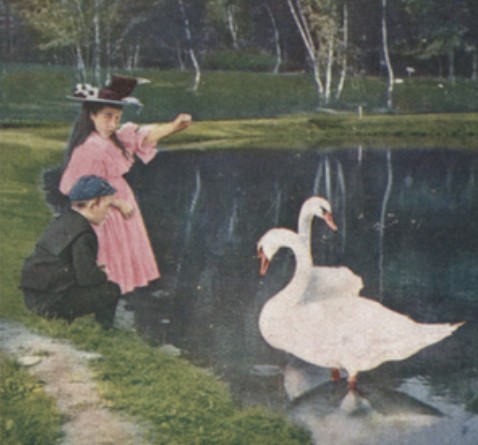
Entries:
{"x":293,"y":132}
{"x":327,"y":130}
{"x":27,"y":415}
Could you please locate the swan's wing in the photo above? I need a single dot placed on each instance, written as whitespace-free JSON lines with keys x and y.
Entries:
{"x":357,"y":333}
{"x":332,"y":282}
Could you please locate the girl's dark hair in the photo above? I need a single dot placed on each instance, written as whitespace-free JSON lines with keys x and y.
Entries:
{"x":84,"y":126}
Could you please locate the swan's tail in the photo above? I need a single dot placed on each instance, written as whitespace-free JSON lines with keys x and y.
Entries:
{"x":429,"y":334}
{"x":437,"y":332}
{"x":418,"y":338}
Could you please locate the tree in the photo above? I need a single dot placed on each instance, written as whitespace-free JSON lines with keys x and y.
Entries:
{"x":277,"y":40}
{"x":386,"y":55}
{"x":8,"y":25}
{"x":60,"y":25}
{"x":93,"y":31}
{"x":224,"y":15}
{"x":189,"y":40}
{"x":317,"y":22}
{"x":471,"y":35}
{"x":333,"y":37}
{"x":439,"y":29}
{"x":345,"y":48}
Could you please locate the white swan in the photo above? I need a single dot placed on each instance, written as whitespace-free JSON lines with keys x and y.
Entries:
{"x":355,"y":334}
{"x":325,"y":281}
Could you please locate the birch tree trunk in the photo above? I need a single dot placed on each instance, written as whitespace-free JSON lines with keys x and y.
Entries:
{"x":179,"y":55}
{"x":386,"y":54}
{"x":310,"y":46}
{"x":451,"y":65}
{"x":345,"y":47}
{"x":330,"y":62}
{"x":275,"y":28}
{"x":97,"y":48}
{"x":80,"y":64}
{"x":81,"y":35}
{"x":137,"y":52}
{"x":474,"y":65}
{"x":192,"y":55}
{"x":232,"y":25}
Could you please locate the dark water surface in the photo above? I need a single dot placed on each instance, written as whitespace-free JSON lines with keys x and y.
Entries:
{"x":408,"y":225}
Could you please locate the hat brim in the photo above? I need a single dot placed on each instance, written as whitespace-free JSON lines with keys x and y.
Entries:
{"x":126,"y":101}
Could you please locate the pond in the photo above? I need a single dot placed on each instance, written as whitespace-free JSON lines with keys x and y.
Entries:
{"x":408,"y":226}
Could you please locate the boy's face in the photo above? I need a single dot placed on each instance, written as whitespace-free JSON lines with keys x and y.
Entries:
{"x":106,"y":121}
{"x":98,"y":211}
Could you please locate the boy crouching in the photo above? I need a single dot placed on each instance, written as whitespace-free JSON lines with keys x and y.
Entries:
{"x":61,"y":278}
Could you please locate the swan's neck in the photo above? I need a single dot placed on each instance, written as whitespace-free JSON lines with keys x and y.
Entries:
{"x":305,"y":226}
{"x":294,"y":291}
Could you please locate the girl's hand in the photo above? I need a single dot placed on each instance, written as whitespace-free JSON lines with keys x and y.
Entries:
{"x":160,"y":131}
{"x":125,"y":208}
{"x":182,"y":121}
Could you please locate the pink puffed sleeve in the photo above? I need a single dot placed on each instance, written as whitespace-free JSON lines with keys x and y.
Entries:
{"x":82,"y":162}
{"x":134,"y":138}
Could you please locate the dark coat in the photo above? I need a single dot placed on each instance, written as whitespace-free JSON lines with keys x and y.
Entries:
{"x":65,"y":256}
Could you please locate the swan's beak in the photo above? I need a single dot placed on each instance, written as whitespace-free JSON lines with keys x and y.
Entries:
{"x":264,"y":262}
{"x":329,"y":220}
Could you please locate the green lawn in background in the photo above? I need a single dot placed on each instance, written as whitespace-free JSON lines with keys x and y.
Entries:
{"x":37,"y":93}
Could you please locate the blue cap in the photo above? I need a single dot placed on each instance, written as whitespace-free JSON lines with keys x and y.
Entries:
{"x":89,"y":187}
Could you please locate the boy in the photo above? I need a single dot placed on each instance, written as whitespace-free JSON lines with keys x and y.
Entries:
{"x":61,"y":278}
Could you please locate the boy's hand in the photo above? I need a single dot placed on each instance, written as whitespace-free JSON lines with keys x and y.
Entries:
{"x":124,"y":207}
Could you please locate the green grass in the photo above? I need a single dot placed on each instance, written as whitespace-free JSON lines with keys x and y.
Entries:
{"x":37,"y":93}
{"x":27,"y":415}
{"x":327,"y":130}
{"x":181,"y":403}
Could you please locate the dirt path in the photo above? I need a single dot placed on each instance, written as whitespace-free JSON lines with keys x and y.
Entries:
{"x":66,"y":376}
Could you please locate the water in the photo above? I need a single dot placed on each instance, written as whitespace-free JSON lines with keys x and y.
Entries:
{"x":408,"y":227}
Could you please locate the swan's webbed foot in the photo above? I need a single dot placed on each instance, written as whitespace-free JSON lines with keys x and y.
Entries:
{"x":335,"y":374}
{"x":353,"y":386}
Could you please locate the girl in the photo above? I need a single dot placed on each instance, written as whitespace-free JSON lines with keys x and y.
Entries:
{"x":100,"y":146}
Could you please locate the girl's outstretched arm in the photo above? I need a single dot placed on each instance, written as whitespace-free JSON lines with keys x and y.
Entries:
{"x":160,"y":131}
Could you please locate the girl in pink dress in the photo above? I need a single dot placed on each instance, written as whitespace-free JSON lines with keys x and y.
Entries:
{"x":98,"y":146}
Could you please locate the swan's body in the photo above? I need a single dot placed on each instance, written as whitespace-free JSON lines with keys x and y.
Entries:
{"x":356,"y":334}
{"x":324,"y":281}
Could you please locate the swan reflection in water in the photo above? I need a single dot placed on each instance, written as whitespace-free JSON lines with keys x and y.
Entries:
{"x":375,"y":415}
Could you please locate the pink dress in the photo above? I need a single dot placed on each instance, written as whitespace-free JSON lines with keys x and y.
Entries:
{"x":124,"y":245}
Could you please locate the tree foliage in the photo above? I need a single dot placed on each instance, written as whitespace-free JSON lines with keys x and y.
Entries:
{"x":432,"y":36}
